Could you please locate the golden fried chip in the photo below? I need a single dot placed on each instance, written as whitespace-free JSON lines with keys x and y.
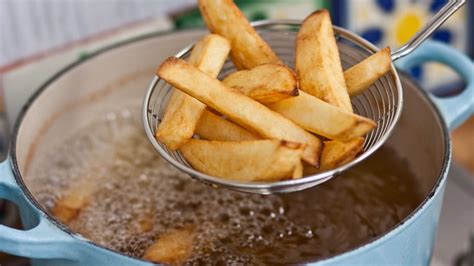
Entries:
{"x":318,"y":65}
{"x":173,"y":247}
{"x":238,"y":107}
{"x":360,"y":76}
{"x":213,"y":127}
{"x":68,"y":207}
{"x":337,"y":153}
{"x":267,"y":83}
{"x":255,"y":160}
{"x":248,"y":48}
{"x":183,"y":112}
{"x":322,"y":118}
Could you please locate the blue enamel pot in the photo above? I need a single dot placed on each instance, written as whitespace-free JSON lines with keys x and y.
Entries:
{"x":121,"y":73}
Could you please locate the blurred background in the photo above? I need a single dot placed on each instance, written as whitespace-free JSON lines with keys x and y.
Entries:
{"x":39,"y":37}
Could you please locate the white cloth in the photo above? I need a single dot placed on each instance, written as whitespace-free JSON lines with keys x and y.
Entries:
{"x":31,"y":26}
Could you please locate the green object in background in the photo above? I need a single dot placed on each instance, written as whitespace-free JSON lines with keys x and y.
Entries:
{"x":83,"y":55}
{"x":258,"y":10}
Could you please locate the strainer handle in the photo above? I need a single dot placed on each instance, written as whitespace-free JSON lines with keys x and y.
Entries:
{"x":437,"y":20}
{"x":458,"y":108}
{"x":43,"y":240}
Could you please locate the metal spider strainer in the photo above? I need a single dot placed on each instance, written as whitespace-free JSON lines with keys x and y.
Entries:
{"x":382,"y":102}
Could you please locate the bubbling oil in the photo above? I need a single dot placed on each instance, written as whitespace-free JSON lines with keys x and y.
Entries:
{"x":133,"y":184}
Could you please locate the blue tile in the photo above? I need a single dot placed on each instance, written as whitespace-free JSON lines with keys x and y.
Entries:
{"x":442,"y":35}
{"x":436,"y":5}
{"x":373,"y":35}
{"x":416,"y":72}
{"x":386,"y":5}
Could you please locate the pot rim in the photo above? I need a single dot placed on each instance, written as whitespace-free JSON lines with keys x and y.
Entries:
{"x":441,"y":179}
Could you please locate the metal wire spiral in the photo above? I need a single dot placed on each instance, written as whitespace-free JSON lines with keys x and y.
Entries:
{"x":382,"y":103}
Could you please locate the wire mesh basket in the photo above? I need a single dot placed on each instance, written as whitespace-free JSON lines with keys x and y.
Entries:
{"x":382,"y":102}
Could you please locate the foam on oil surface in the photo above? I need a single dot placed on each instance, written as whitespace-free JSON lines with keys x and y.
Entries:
{"x":135,"y":185}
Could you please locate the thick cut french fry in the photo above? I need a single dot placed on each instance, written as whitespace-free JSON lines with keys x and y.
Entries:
{"x":318,"y":65}
{"x":68,"y":207}
{"x":173,"y":247}
{"x":307,"y":111}
{"x":145,"y":224}
{"x":298,"y":172}
{"x":248,"y":48}
{"x":213,"y":127}
{"x":323,"y":118}
{"x":255,"y":160}
{"x":142,"y":223}
{"x":360,"y":76}
{"x":336,"y":153}
{"x":183,"y":112}
{"x":238,"y":107}
{"x":267,"y":83}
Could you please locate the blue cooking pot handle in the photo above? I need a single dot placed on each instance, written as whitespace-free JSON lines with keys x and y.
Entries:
{"x":458,"y":108}
{"x":43,"y":240}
